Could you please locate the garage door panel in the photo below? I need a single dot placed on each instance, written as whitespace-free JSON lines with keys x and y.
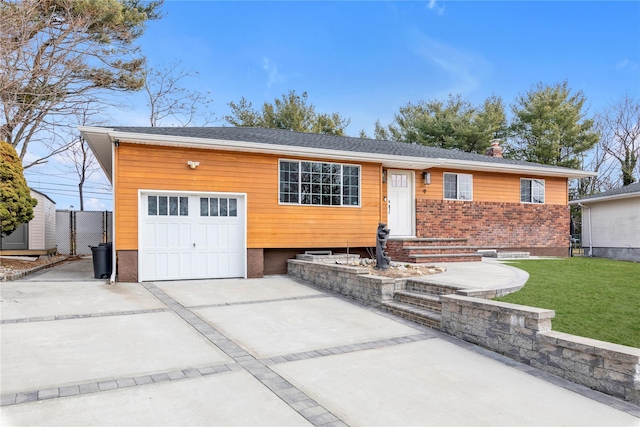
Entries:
{"x":162,"y":235}
{"x":151,"y":241}
{"x":162,"y":265}
{"x":184,"y":236}
{"x":234,"y":230}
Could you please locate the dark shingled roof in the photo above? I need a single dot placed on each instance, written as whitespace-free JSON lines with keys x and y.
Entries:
{"x":325,"y":142}
{"x":627,"y":189}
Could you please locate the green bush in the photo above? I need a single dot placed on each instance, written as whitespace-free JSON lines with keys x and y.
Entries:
{"x":16,"y":203}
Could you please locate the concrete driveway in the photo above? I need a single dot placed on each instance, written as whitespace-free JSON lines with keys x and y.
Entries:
{"x":269,"y":351}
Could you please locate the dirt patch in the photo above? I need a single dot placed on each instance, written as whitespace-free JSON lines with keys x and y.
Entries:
{"x":10,"y":266}
{"x":398,"y":270}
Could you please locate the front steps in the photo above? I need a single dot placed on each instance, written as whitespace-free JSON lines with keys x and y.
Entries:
{"x":431,"y":250}
{"x":419,"y":302}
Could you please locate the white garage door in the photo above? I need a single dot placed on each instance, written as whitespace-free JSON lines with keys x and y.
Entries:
{"x":191,"y":236}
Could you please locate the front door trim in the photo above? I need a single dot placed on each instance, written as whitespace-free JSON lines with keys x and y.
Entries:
{"x":407,"y":209}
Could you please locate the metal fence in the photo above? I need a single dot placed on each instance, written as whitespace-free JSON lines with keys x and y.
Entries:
{"x":77,"y":230}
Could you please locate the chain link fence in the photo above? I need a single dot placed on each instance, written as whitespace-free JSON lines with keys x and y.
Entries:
{"x":77,"y":230}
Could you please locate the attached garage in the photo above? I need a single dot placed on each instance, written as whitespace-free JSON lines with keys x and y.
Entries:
{"x":187,"y":235}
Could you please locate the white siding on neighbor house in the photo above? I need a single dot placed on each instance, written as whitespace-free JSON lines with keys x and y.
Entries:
{"x":36,"y":225}
{"x":42,"y":228}
{"x":49,"y":224}
{"x":614,"y":224}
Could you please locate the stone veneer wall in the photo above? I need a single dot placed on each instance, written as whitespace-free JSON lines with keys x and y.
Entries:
{"x":539,"y":229}
{"x":353,"y":282}
{"x":524,"y":334}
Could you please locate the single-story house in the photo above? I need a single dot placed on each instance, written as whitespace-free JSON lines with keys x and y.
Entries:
{"x":238,"y":202}
{"x":38,"y":236}
{"x":611,"y":223}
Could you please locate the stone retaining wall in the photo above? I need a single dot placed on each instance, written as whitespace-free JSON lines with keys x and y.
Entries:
{"x":524,"y":333}
{"x":353,"y":282}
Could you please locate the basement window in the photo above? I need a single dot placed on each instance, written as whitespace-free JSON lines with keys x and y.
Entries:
{"x":532,"y":190}
{"x":318,"y":183}
{"x":458,"y":186}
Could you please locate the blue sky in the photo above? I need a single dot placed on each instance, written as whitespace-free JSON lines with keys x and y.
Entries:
{"x":367,"y":59}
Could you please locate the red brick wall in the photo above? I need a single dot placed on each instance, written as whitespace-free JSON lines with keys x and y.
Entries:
{"x":539,"y":229}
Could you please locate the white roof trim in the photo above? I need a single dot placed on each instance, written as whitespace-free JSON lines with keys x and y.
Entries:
{"x":604,"y":198}
{"x":97,"y":136}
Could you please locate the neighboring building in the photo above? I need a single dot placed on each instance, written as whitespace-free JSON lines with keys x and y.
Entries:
{"x":611,"y":223}
{"x":238,"y":202}
{"x":38,"y":236}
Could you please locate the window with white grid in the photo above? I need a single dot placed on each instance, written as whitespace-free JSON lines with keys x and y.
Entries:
{"x":319,"y":183}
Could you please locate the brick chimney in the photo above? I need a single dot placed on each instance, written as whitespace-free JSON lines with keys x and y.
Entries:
{"x":495,"y":150}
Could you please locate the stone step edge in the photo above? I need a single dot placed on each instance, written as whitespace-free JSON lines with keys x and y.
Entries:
{"x":410,"y":309}
{"x":427,"y":282}
{"x":428,"y":239}
{"x":419,"y":295}
{"x":512,"y":254}
{"x":413,"y":248}
{"x":473,"y":255}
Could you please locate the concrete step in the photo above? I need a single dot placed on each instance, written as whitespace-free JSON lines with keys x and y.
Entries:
{"x":430,"y":247}
{"x":431,"y":241}
{"x":439,"y":250}
{"x":448,"y":257}
{"x":415,"y":314}
{"x":505,"y":254}
{"x":418,"y":299}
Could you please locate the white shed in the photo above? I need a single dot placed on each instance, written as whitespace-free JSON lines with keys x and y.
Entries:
{"x":611,"y":223}
{"x":38,"y":237}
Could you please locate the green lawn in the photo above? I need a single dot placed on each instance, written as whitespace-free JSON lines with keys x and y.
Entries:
{"x":592,"y":297}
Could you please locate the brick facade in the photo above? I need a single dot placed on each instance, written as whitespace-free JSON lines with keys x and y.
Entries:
{"x":539,"y":229}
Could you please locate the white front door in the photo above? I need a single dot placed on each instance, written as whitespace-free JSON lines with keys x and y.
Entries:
{"x":191,"y":236}
{"x":400,"y":199}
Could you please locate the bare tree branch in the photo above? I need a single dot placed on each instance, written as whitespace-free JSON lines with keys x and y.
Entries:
{"x":167,"y":98}
{"x":56,"y":55}
{"x":620,"y":125}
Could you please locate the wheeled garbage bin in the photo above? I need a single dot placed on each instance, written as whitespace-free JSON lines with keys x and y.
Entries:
{"x":101,"y":260}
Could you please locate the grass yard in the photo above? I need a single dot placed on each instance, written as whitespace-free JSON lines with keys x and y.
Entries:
{"x":592,"y":297}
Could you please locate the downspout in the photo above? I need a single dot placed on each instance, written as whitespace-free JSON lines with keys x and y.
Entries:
{"x":590,"y":229}
{"x":112,"y":279}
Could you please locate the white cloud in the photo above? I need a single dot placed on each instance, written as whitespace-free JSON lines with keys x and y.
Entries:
{"x":464,"y":69}
{"x":93,"y":204}
{"x":272,"y":72}
{"x":433,"y":5}
{"x":626,"y":64}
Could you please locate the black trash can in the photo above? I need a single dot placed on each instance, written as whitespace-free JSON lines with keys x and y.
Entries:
{"x":101,"y":260}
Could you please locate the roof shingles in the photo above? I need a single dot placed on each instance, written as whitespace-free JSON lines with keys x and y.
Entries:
{"x":325,"y":142}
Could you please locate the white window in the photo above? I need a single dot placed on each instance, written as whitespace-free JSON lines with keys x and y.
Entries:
{"x":458,"y":186}
{"x":167,"y":206}
{"x":532,"y":190}
{"x":218,"y":206}
{"x":317,"y":183}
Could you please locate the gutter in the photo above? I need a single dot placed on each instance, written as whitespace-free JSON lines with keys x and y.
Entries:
{"x":112,"y":279}
{"x":590,"y":228}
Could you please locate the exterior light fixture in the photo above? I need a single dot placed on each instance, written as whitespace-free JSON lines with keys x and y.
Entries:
{"x":193,"y":164}
{"x":427,"y":177}
{"x":384,"y":176}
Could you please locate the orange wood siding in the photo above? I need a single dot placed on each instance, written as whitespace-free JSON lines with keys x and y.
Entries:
{"x":269,"y":225}
{"x":492,"y":187}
